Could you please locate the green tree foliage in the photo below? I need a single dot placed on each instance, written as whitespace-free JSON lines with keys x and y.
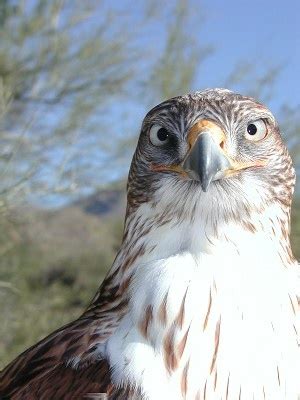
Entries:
{"x":60,"y":65}
{"x":169,"y":76}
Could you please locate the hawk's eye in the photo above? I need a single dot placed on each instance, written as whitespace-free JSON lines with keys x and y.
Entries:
{"x":158,"y":135}
{"x":256,"y":130}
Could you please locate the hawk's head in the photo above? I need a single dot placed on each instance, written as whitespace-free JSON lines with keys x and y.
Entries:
{"x":213,"y":148}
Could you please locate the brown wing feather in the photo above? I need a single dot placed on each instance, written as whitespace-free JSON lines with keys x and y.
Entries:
{"x":68,"y":359}
{"x":66,"y":383}
{"x":50,"y":355}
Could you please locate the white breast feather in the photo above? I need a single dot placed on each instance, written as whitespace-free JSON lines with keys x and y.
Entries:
{"x":253,"y":298}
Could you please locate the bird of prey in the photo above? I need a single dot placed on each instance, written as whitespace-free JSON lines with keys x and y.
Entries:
{"x":201,"y":301}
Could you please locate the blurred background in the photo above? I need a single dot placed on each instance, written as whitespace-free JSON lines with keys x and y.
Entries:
{"x":76,"y":79}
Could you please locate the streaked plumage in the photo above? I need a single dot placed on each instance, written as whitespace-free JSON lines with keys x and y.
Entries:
{"x":201,"y":301}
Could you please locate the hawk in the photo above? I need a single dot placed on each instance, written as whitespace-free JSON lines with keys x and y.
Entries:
{"x":201,"y":301}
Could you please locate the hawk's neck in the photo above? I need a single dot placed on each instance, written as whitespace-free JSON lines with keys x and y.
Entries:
{"x":212,"y":309}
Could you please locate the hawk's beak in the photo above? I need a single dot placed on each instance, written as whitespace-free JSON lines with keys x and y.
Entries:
{"x":206,"y":161}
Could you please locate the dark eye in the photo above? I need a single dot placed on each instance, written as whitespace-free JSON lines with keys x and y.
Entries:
{"x":158,"y":135}
{"x":252,"y":129}
{"x":256,"y":130}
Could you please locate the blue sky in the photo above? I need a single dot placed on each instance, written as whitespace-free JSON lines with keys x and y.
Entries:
{"x":264,"y":33}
